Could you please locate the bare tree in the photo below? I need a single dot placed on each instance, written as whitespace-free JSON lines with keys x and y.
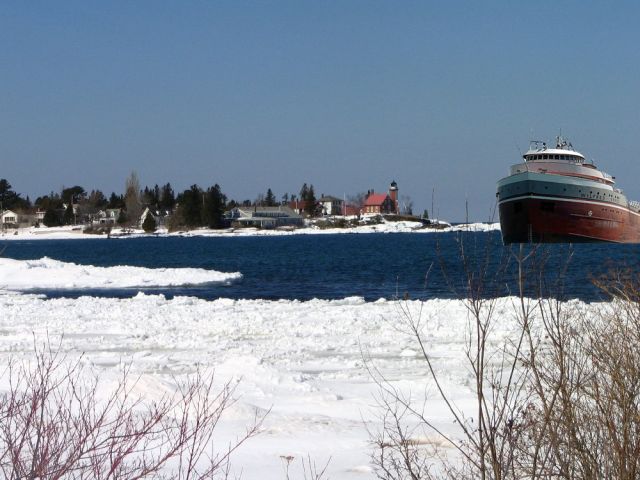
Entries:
{"x":406,"y":205}
{"x":357,"y":200}
{"x":586,"y":375}
{"x":54,"y":425}
{"x":489,"y":438}
{"x":132,"y":199}
{"x":559,"y":398}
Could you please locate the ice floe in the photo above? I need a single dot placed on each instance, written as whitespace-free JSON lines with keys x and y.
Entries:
{"x":302,"y":360}
{"x":46,"y":273}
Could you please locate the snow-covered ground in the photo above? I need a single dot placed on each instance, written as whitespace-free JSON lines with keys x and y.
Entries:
{"x":302,"y":360}
{"x":45,"y":233}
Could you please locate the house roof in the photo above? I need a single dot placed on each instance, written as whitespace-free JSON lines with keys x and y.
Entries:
{"x":329,"y":198}
{"x":280,"y":211}
{"x":375,"y":199}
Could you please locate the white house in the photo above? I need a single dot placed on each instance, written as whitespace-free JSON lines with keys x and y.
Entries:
{"x":331,"y":205}
{"x":108,"y":216}
{"x":157,"y":215}
{"x":11,"y":219}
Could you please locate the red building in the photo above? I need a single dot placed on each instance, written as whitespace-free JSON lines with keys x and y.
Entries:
{"x":382,"y":202}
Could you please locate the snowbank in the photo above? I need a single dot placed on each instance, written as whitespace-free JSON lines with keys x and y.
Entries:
{"x":303,"y":360}
{"x":474,"y":227}
{"x":67,"y":233}
{"x":49,"y":273}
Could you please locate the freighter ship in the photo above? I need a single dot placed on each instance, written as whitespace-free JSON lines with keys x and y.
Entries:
{"x":557,"y":196}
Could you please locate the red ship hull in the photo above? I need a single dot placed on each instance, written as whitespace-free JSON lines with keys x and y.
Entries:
{"x":547,"y":220}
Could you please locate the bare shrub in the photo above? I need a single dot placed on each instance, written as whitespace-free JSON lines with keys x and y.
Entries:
{"x":587,"y":380}
{"x":559,"y":398}
{"x":54,"y":425}
{"x":310,"y":469}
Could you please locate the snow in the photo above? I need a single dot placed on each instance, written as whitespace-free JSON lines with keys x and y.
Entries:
{"x":47,"y":273}
{"x":68,"y":233}
{"x":474,"y":227}
{"x":302,"y":360}
{"x":46,"y":233}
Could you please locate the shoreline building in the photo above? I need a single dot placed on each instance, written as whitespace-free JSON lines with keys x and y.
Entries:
{"x":264,"y":217}
{"x":379,"y":203}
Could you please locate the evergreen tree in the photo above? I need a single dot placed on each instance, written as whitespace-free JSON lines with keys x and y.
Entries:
{"x":214,"y":207}
{"x":122,"y":218}
{"x":8,"y":198}
{"x":285,"y":199}
{"x":146,"y":197}
{"x":270,"y":199}
{"x":167,"y":197}
{"x":97,"y":200}
{"x":304,"y":191}
{"x":310,"y":202}
{"x":191,"y":206}
{"x":149,"y":224}
{"x":73,"y":194}
{"x":68,"y":218}
{"x":115,"y":201}
{"x":151,"y":196}
{"x":51,"y":201}
{"x":51,"y":218}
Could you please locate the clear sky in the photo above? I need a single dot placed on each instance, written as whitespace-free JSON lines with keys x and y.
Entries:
{"x":347,"y":95}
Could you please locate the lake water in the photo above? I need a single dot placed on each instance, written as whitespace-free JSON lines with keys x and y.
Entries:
{"x":336,"y":266}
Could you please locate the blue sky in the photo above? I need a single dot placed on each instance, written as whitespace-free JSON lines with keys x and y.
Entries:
{"x":345,"y":95}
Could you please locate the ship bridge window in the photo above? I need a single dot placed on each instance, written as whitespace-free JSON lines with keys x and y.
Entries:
{"x":557,"y":157}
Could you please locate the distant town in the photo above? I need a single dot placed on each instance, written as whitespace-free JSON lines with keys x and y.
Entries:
{"x":159,"y":207}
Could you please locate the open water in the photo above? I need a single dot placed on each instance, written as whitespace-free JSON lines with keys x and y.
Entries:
{"x":413,"y":265}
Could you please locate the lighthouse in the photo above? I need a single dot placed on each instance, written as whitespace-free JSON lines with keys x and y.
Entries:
{"x":393,"y":193}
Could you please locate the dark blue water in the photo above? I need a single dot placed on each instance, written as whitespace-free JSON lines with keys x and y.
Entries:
{"x":302,"y":267}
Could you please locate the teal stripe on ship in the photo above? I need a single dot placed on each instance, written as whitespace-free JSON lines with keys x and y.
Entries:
{"x":529,"y":183}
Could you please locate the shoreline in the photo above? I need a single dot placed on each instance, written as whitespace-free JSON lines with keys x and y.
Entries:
{"x":75,"y":232}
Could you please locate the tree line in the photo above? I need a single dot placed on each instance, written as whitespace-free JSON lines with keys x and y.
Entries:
{"x":192,"y":208}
